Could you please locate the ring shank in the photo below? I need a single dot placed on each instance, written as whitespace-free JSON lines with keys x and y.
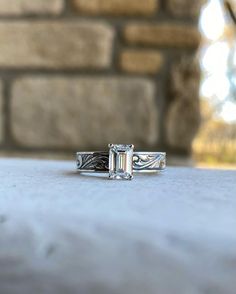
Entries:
{"x":98,"y":161}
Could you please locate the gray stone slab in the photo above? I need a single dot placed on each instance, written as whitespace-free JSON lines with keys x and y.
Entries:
{"x":62,"y":232}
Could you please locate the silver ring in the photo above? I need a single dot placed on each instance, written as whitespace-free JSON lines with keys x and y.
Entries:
{"x":120,"y":161}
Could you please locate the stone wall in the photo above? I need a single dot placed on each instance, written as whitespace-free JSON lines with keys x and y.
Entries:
{"x":80,"y":74}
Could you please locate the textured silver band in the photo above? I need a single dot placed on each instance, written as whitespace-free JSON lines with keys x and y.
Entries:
{"x":99,"y":161}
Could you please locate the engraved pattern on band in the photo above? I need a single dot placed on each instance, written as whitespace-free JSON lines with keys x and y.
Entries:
{"x":99,"y":161}
{"x":149,"y":161}
{"x":93,"y":161}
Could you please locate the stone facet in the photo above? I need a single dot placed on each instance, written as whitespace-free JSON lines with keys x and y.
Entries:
{"x":121,"y":161}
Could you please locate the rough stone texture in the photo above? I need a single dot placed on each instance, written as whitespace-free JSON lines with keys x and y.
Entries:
{"x":1,"y":113}
{"x":96,"y":39}
{"x":189,"y":8}
{"x":62,"y":232}
{"x":162,"y":35}
{"x":53,"y":44}
{"x":83,"y":112}
{"x":183,"y":117}
{"x":141,"y":61}
{"x":25,"y":7}
{"x":116,"y":7}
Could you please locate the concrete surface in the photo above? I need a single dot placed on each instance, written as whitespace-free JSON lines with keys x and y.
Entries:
{"x":61,"y":232}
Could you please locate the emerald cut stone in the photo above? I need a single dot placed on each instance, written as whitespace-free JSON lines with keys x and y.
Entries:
{"x":121,"y":161}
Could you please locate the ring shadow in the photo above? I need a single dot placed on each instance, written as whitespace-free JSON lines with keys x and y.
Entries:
{"x":103,"y":176}
{"x":86,"y":175}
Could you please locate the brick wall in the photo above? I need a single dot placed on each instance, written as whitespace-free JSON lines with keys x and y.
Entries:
{"x":84,"y":73}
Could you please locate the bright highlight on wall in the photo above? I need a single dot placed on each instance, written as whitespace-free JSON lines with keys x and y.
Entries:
{"x":218,"y":57}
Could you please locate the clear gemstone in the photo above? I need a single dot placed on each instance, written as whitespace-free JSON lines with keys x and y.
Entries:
{"x":121,"y":161}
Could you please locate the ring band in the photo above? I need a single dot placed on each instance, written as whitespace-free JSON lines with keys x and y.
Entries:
{"x":121,"y":161}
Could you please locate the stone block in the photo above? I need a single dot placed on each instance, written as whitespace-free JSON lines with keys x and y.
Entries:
{"x":55,"y":45}
{"x":84,"y":112}
{"x":181,"y":8}
{"x":141,"y":61}
{"x":116,"y":7}
{"x":183,"y":117}
{"x":162,"y":35}
{"x":27,"y":7}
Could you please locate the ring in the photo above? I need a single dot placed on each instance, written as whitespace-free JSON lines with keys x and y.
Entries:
{"x":120,"y":161}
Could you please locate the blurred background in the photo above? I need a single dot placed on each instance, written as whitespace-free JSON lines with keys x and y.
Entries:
{"x":216,"y":140}
{"x":79,"y":74}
